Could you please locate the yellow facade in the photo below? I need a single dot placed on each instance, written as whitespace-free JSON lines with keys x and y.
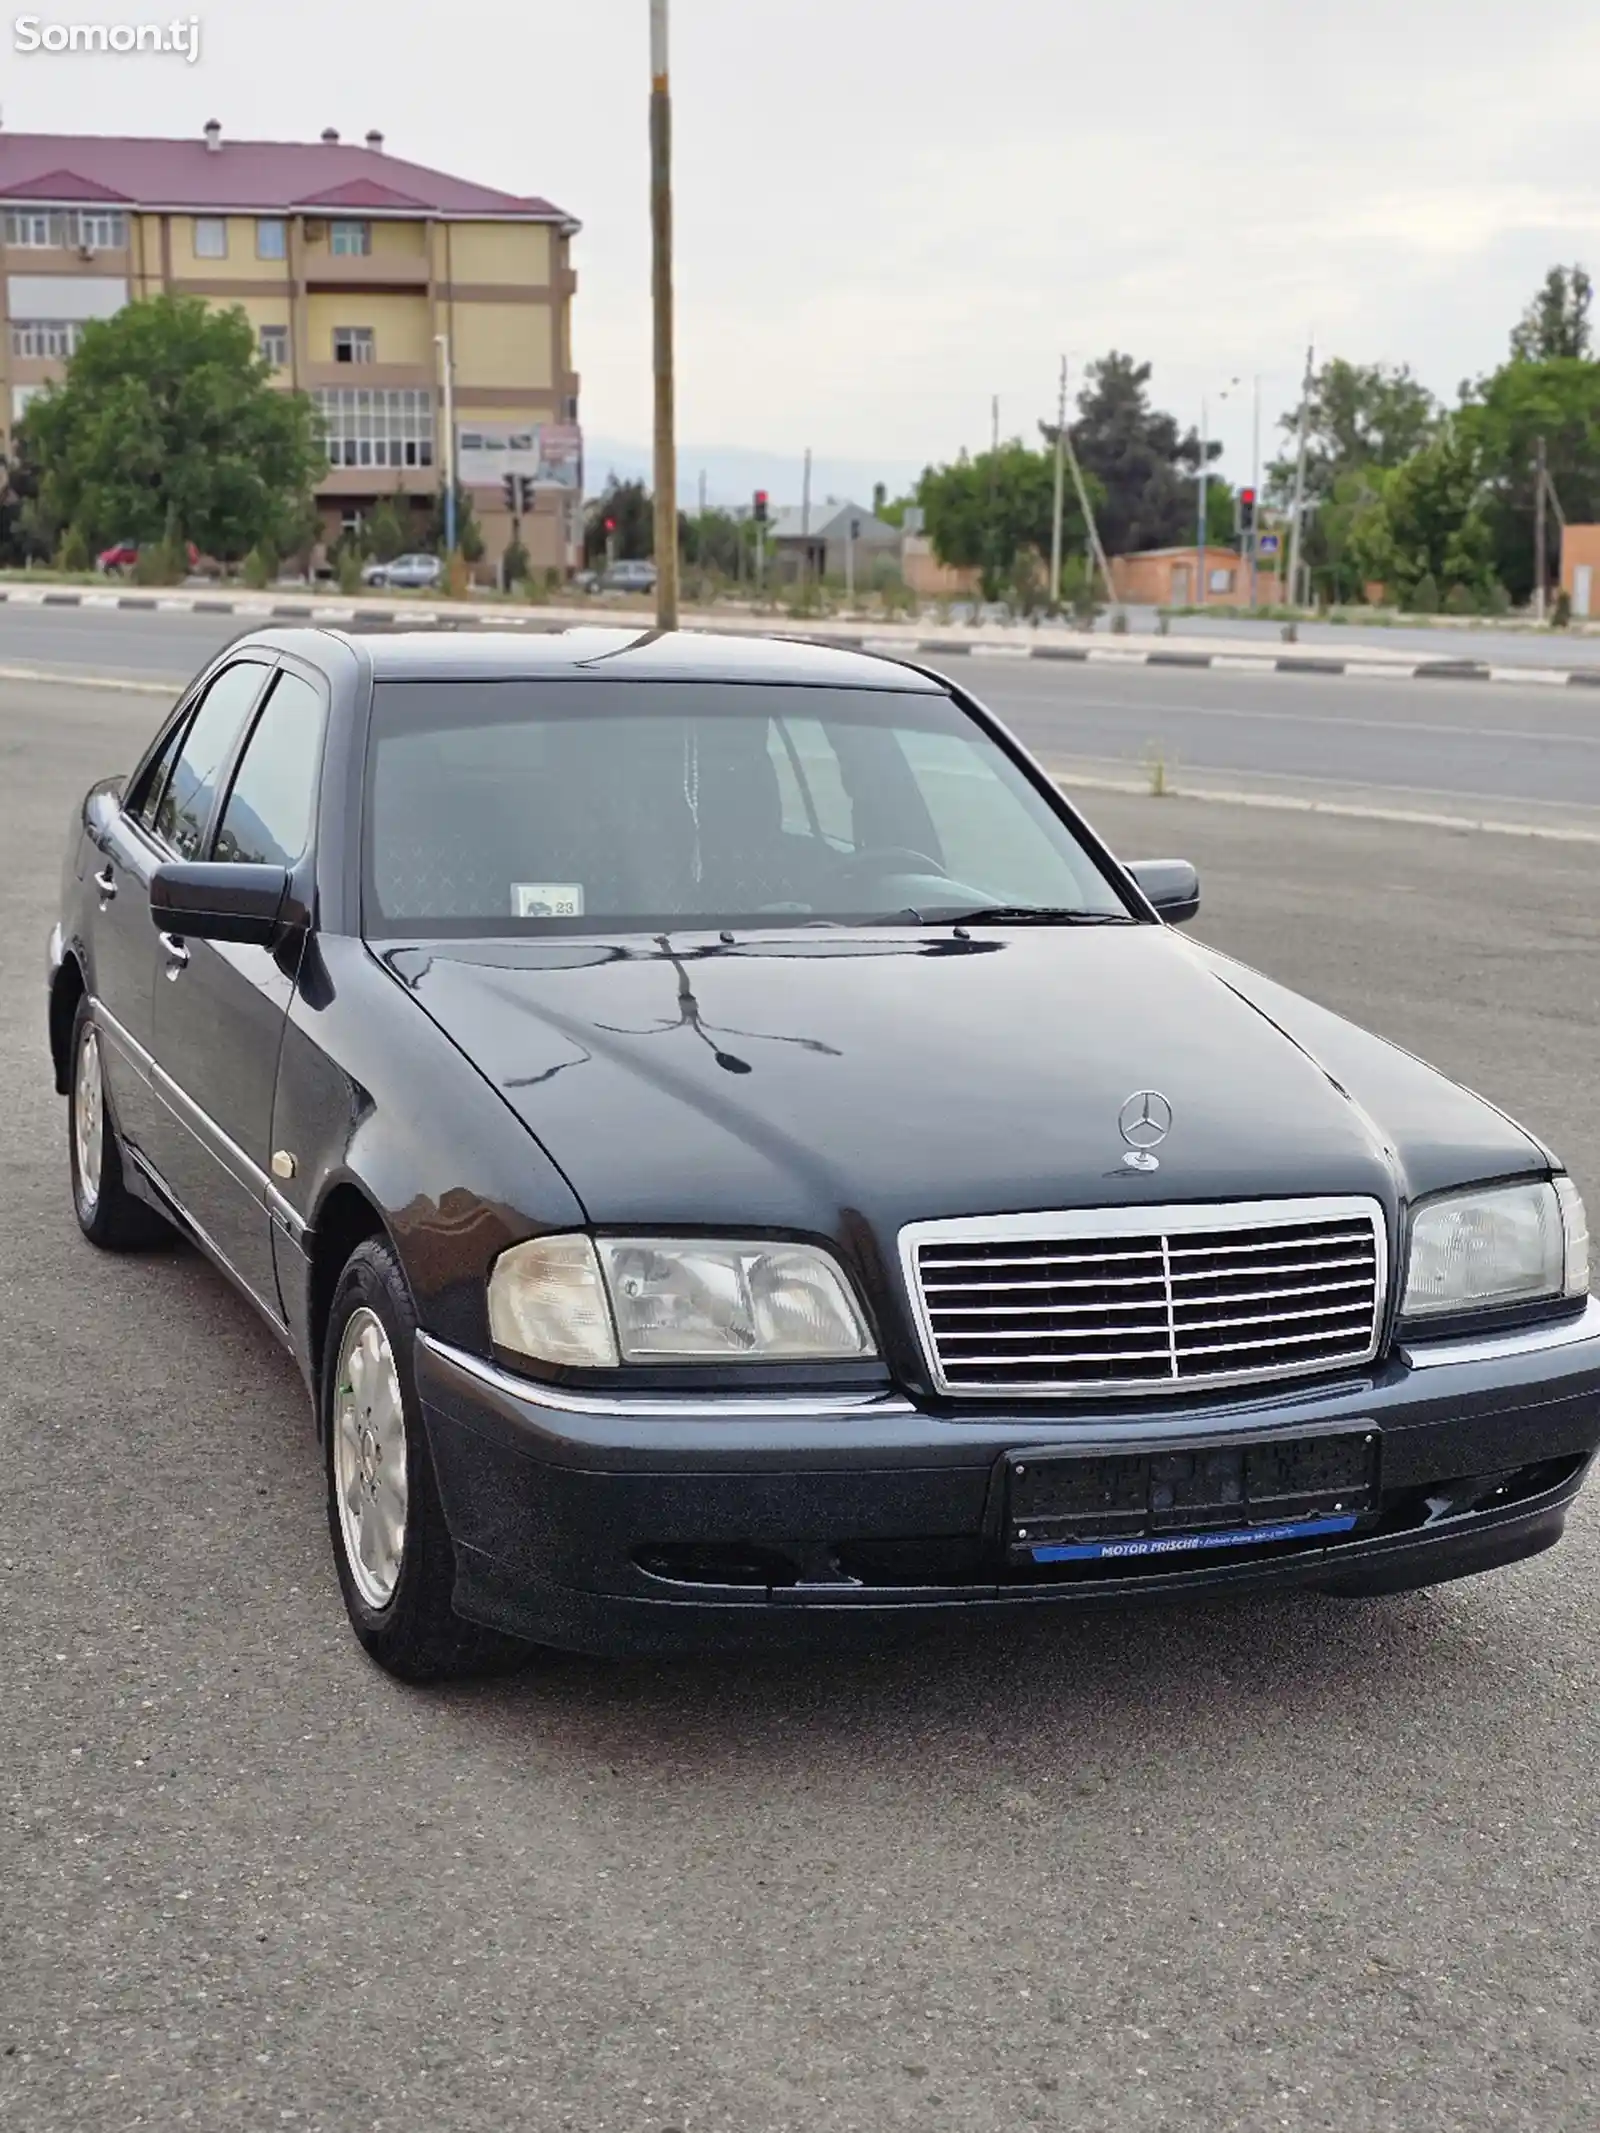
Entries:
{"x":401,"y":326}
{"x":498,"y":254}
{"x":241,"y":262}
{"x":503,"y":344}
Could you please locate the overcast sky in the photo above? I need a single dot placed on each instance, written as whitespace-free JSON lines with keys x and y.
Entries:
{"x":889,"y":210}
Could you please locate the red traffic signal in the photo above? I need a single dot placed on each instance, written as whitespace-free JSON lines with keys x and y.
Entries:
{"x":761,"y":507}
{"x":611,"y":525}
{"x":1247,"y":511}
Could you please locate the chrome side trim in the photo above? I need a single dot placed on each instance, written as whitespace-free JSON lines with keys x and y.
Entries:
{"x":668,"y":1407}
{"x":204,"y":1127}
{"x":1522,"y":1340}
{"x":1186,"y":1218}
{"x":125,"y":1041}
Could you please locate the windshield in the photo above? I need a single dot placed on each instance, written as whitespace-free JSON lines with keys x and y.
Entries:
{"x":561,"y":806}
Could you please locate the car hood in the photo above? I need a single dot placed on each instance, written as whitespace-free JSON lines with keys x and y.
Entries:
{"x":845,"y":1081}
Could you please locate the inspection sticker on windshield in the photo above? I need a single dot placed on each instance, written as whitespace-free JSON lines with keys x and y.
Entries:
{"x":1183,"y":1543}
{"x":547,"y":899}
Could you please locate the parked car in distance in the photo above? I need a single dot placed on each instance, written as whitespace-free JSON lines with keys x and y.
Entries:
{"x":632,"y":576}
{"x":737,"y":1160}
{"x":411,"y":573}
{"x":122,"y":555}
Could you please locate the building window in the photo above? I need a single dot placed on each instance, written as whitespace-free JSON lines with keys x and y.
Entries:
{"x":35,"y":230}
{"x":40,"y":229}
{"x":274,"y":345}
{"x":351,"y":240}
{"x":210,"y":237}
{"x":272,"y":237}
{"x":100,"y":231}
{"x":20,"y":396}
{"x":352,"y":344}
{"x":377,"y":429}
{"x":52,"y":337}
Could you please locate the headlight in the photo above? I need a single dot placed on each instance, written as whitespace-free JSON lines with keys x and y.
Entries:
{"x":597,"y":1301}
{"x":1509,"y":1244}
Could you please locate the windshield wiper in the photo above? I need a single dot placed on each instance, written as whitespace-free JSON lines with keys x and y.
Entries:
{"x":1033,"y":915}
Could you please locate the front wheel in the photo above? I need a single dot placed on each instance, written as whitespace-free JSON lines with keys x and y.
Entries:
{"x":108,"y":1214}
{"x":390,"y":1542}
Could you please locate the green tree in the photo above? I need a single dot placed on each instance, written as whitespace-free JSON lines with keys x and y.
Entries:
{"x":1556,"y":322}
{"x":631,"y":508}
{"x":1508,"y":413}
{"x":469,"y":534}
{"x":988,"y":513}
{"x":26,"y":533}
{"x":168,"y":421}
{"x":388,"y":528}
{"x":1358,"y":415}
{"x":1426,"y":524}
{"x":1140,"y":465}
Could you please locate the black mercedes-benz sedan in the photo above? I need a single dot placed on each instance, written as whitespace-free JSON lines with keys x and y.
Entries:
{"x":736,"y":1158}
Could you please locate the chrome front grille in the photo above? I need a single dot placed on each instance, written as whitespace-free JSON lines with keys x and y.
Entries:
{"x":1139,"y":1300}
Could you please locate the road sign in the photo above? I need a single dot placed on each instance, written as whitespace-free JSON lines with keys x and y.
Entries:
{"x":1267,"y":544}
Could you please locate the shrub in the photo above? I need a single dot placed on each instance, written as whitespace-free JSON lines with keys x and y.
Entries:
{"x":1561,"y":612}
{"x":260,"y":568}
{"x":73,"y":554}
{"x":1497,"y":601}
{"x":1424,"y":595}
{"x":349,"y":568}
{"x":1461,"y":600}
{"x":160,"y":563}
{"x":515,"y":566}
{"x":457,"y":576}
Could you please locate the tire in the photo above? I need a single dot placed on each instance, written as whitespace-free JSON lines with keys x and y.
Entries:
{"x":108,"y":1214}
{"x":391,"y":1545}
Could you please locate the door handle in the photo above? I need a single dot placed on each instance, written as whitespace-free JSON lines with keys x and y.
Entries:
{"x":106,"y":882}
{"x":177,"y":954}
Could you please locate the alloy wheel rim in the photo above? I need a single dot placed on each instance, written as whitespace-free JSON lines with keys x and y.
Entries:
{"x":369,"y":1458}
{"x":88,"y":1121}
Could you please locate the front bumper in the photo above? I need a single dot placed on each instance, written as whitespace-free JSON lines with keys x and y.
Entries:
{"x":679,"y":1525}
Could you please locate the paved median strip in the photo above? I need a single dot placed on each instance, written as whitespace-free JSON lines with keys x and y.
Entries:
{"x":314,"y":611}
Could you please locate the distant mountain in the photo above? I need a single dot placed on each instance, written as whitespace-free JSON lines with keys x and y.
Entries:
{"x":733,"y":473}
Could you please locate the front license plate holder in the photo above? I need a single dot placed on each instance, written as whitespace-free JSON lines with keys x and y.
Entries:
{"x":1063,"y":1507}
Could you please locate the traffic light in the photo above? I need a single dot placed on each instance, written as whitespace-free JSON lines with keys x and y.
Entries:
{"x":1247,"y":511}
{"x":525,"y":491}
{"x":761,"y":507}
{"x":611,"y":526}
{"x":508,"y":486}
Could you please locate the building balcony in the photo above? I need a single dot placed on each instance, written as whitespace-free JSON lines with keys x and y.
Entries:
{"x":373,"y":377}
{"x":379,"y":481}
{"x":322,"y":269}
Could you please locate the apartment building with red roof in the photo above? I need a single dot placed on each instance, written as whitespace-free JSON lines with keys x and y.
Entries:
{"x":363,"y":276}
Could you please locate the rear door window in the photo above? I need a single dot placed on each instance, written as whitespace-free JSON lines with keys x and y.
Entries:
{"x":183,"y":812}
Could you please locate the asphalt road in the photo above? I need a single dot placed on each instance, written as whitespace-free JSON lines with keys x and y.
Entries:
{"x":1301,"y":1864}
{"x":1533,"y":747}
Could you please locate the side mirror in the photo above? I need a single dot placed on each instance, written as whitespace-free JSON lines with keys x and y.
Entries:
{"x":209,"y":900}
{"x":1172,"y":885}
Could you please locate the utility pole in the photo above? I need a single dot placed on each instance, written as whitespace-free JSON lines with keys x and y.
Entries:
{"x":805,"y":522}
{"x":1540,"y":561}
{"x":1061,"y":494}
{"x":851,"y":524}
{"x":442,"y":343}
{"x":1205,"y":483}
{"x":1255,"y":484}
{"x":1297,"y":508}
{"x":666,"y":456}
{"x":994,"y":487}
{"x":1096,"y":551}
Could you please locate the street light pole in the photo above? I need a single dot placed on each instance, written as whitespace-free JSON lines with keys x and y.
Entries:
{"x":442,"y":342}
{"x":1061,"y":494}
{"x":1205,"y":483}
{"x":666,"y":460}
{"x":1255,"y":486}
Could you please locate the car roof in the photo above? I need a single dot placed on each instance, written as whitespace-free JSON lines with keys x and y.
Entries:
{"x":583,"y":653}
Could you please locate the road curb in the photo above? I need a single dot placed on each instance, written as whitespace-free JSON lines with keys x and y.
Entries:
{"x":334,"y":611}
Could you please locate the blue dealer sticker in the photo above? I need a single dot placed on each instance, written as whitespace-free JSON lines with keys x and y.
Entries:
{"x":1187,"y":1543}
